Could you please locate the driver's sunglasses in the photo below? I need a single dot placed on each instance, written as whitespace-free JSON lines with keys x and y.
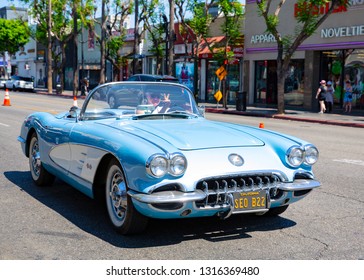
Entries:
{"x":155,"y":95}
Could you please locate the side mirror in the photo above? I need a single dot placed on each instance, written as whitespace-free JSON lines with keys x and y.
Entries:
{"x":74,"y":112}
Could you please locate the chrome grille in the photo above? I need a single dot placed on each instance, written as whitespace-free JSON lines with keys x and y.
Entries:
{"x":218,"y":190}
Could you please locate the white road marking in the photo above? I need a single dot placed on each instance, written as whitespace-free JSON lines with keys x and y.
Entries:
{"x":351,"y":161}
{"x":3,"y":124}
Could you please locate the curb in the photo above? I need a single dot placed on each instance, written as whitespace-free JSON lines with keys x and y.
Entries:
{"x":284,"y":117}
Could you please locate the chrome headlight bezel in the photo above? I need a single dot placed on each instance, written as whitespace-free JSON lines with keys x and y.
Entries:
{"x":158,"y":165}
{"x":311,"y":154}
{"x":177,"y":164}
{"x":296,"y":155}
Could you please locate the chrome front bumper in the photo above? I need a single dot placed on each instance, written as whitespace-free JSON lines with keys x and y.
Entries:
{"x":198,"y":195}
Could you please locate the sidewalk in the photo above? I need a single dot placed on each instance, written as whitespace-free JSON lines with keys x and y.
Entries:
{"x":337,"y":117}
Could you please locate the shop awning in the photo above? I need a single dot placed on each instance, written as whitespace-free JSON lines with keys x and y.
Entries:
{"x":203,"y":49}
{"x":216,"y":42}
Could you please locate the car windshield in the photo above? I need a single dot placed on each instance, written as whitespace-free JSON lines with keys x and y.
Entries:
{"x":139,"y":100}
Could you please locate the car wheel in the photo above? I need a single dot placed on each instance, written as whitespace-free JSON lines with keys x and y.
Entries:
{"x":276,"y":211}
{"x":39,"y":175}
{"x":120,"y":209}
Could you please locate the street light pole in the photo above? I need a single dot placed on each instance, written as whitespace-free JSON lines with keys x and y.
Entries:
{"x":165,"y":24}
{"x":82,"y":42}
{"x":136,"y":35}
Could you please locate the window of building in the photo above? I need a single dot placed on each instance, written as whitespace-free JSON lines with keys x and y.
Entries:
{"x":351,"y":63}
{"x":265,"y":89}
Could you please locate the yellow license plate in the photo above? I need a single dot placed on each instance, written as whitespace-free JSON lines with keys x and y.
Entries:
{"x":251,"y":200}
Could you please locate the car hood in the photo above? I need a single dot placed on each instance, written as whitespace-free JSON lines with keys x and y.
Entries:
{"x":191,"y":134}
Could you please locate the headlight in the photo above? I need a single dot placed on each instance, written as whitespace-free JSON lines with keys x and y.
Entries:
{"x":157,"y":166}
{"x":295,"y":156}
{"x":178,"y":164}
{"x":311,"y":154}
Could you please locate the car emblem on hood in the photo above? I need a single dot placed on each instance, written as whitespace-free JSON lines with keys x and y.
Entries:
{"x":236,"y":159}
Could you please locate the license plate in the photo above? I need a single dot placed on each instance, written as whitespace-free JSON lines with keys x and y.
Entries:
{"x":251,"y":200}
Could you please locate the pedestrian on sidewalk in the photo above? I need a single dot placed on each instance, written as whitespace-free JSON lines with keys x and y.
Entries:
{"x":84,"y":87}
{"x":321,"y":96}
{"x":329,"y":101}
{"x":348,"y":97}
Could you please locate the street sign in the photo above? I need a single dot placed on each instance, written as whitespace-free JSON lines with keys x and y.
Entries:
{"x":221,"y":73}
{"x":218,"y":95}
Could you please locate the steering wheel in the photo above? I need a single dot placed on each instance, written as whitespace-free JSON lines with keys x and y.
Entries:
{"x":176,"y":107}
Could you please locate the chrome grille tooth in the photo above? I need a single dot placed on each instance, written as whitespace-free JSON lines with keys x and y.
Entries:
{"x":234,"y":185}
{"x":250,"y":182}
{"x":225,"y":183}
{"x":206,"y":190}
{"x":243,"y":183}
{"x":259,"y":182}
{"x":217,"y":192}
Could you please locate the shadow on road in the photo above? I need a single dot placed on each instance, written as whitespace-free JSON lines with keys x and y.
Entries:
{"x":90,"y":216}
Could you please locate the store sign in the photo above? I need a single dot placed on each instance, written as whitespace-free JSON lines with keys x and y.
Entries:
{"x":344,"y":31}
{"x":325,"y":8}
{"x":262,"y":38}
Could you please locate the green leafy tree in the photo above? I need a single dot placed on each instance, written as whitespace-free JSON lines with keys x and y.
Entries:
{"x":111,"y":37}
{"x":308,"y":20}
{"x":153,"y":25}
{"x":14,"y":34}
{"x":116,"y":33}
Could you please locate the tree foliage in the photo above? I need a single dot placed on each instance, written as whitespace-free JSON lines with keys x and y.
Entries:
{"x":14,"y":34}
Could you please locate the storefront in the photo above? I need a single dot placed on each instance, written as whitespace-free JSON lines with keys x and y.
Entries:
{"x":210,"y":83}
{"x":335,"y":52}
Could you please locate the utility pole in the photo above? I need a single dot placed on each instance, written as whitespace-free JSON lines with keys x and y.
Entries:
{"x":49,"y":49}
{"x":103,"y":43}
{"x":75,"y":50}
{"x":171,"y":35}
{"x":165,"y":25}
{"x":136,"y":35}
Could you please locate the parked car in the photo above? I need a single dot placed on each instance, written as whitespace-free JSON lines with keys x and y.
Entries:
{"x":153,"y":78}
{"x":154,"y":155}
{"x":2,"y":83}
{"x":19,"y":82}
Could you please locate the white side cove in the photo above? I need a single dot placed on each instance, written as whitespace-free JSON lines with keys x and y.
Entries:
{"x":79,"y":160}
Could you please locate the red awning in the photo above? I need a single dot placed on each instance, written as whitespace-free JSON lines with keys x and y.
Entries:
{"x":203,"y":49}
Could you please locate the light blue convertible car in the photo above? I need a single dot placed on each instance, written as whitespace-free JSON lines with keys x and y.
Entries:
{"x":146,"y":149}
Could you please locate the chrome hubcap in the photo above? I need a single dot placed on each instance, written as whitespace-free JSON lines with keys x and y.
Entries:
{"x":35,"y":159}
{"x":118,"y":196}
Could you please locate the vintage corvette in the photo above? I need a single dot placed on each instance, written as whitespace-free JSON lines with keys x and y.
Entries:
{"x":147,"y":151}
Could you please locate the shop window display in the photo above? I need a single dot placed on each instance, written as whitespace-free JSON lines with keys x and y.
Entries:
{"x":266,"y":83}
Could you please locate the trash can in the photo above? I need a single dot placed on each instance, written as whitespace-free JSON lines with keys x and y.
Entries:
{"x":58,"y":88}
{"x":241,"y":101}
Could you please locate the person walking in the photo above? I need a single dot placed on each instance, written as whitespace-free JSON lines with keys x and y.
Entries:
{"x":84,"y":87}
{"x":329,"y":99}
{"x":321,"y":96}
{"x":348,"y":97}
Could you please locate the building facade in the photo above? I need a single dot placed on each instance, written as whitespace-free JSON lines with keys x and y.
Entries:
{"x":334,"y":53}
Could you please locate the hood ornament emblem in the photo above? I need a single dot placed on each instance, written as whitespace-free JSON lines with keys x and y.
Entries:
{"x":236,"y":159}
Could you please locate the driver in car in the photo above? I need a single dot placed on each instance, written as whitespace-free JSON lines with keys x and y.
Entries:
{"x":161,"y":104}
